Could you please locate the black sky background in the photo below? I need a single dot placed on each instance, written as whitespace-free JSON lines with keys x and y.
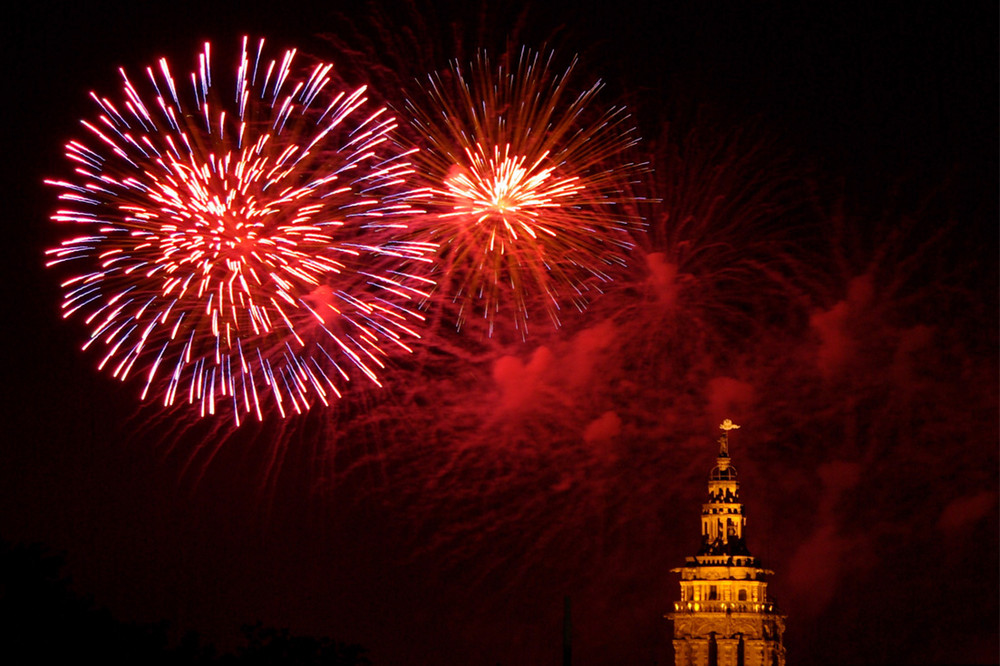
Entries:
{"x":455,"y":543}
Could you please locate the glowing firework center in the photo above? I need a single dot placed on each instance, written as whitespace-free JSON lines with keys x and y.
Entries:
{"x":511,"y":197}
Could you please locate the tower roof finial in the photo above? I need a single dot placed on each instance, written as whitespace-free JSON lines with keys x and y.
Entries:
{"x":725,"y":427}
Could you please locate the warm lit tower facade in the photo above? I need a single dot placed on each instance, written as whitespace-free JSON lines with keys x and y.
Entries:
{"x":724,"y":616}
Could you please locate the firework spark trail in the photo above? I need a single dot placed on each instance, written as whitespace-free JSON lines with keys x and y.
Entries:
{"x":527,"y":177}
{"x":231,"y":250}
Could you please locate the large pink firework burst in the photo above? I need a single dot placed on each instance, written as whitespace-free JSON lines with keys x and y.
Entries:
{"x":240,"y":249}
{"x":526,"y":177}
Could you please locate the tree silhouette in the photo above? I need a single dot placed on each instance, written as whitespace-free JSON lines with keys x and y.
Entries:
{"x":43,"y":620}
{"x":267,"y":645}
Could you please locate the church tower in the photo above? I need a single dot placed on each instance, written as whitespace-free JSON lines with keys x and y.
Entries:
{"x":724,"y":616}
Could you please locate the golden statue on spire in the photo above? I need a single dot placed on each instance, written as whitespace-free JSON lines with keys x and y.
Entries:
{"x":726,"y":426}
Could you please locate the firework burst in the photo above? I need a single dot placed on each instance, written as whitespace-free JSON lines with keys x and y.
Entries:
{"x":228,"y":250}
{"x":526,"y":177}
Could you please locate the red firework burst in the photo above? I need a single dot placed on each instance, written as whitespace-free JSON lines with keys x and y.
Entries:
{"x":526,"y":177}
{"x":234,"y":249}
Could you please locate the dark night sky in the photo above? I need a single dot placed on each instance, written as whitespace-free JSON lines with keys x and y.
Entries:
{"x":442,"y":520}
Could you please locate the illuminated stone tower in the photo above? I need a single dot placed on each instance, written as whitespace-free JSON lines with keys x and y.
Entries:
{"x":724,"y":617}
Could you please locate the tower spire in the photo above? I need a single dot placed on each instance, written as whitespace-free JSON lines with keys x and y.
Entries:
{"x":724,"y":616}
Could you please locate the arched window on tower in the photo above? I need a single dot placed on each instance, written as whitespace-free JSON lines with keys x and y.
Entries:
{"x":713,"y":650}
{"x":742,"y":595}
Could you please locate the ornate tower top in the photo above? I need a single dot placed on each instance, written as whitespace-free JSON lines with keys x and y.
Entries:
{"x":724,"y":616}
{"x":722,"y":519}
